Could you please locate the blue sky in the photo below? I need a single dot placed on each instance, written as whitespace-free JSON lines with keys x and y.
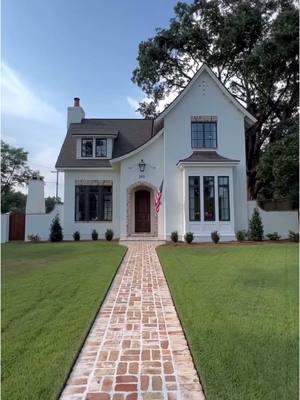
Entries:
{"x":56,"y":50}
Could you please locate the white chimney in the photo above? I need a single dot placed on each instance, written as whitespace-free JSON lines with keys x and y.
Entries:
{"x":75,"y":113}
{"x":35,"y":203}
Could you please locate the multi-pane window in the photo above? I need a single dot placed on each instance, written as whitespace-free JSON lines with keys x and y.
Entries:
{"x":194,"y":198}
{"x":209,"y":198}
{"x":93,"y":203}
{"x":223,"y":193}
{"x":87,"y":147}
{"x":101,"y":147}
{"x":204,"y":135}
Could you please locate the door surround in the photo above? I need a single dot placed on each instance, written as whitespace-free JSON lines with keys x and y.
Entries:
{"x":131,"y":208}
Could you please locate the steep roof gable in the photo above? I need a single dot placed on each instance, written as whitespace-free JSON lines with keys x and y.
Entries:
{"x":249,"y":117}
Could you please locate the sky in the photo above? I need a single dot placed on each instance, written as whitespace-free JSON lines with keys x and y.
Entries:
{"x":53,"y":51}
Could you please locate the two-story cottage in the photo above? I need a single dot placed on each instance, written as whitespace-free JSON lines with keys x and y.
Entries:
{"x":114,"y":167}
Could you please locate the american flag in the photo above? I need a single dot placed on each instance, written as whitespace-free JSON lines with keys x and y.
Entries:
{"x":158,"y":196}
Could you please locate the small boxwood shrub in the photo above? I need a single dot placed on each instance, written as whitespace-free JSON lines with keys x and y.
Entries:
{"x":294,"y":236}
{"x":109,"y":234}
{"x":56,"y":233}
{"x":34,"y":238}
{"x":273,"y":236}
{"x":174,"y":236}
{"x":94,"y":234}
{"x":240,"y":236}
{"x":256,"y":226}
{"x":76,"y":236}
{"x":189,"y":237}
{"x":215,"y":237}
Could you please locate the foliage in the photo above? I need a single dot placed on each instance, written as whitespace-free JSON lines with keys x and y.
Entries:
{"x":256,"y":230}
{"x":94,"y":234}
{"x":34,"y":238}
{"x":45,"y":288}
{"x":109,"y":234}
{"x":56,"y":233}
{"x":76,"y":236}
{"x":294,"y":236}
{"x":13,"y":201}
{"x":50,"y":203}
{"x":14,"y":168}
{"x":232,"y":303}
{"x":240,"y":235}
{"x":278,"y":169}
{"x":189,"y":237}
{"x":251,"y":45}
{"x":215,"y":237}
{"x":273,"y":236}
{"x":174,"y":236}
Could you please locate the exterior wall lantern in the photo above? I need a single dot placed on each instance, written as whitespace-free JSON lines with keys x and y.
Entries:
{"x":142,"y":166}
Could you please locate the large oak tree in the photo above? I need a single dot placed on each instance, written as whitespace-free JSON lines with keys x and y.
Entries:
{"x":251,"y":45}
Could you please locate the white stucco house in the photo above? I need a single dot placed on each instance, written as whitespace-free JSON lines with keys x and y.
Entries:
{"x":114,"y":167}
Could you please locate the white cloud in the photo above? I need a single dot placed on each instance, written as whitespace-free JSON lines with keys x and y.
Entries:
{"x":20,"y":101}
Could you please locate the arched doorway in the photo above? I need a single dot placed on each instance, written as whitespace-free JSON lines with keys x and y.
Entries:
{"x":142,"y":211}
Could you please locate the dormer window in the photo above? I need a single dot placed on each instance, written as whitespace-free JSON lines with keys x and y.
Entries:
{"x":101,"y":148}
{"x":87,"y":147}
{"x":204,"y":135}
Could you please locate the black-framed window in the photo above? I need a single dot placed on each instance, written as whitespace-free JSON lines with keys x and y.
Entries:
{"x":194,"y":198}
{"x":209,"y":198}
{"x":204,"y":135}
{"x":101,"y":147}
{"x":87,"y":147}
{"x":223,"y":194}
{"x":93,"y":203}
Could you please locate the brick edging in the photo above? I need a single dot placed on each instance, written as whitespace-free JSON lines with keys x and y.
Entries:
{"x":90,"y":327}
{"x":182,"y":326}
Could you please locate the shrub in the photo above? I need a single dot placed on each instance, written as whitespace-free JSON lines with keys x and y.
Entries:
{"x":189,"y":237}
{"x":273,"y":236}
{"x":241,"y":236}
{"x":56,"y":233}
{"x":215,"y":237}
{"x":174,"y":236}
{"x":94,"y":234}
{"x":256,"y":227}
{"x":34,"y":238}
{"x":294,"y":236}
{"x":109,"y":234}
{"x":76,"y":236}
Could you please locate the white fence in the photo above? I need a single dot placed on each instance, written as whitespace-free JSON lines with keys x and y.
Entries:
{"x":276,"y":221}
{"x":4,"y":227}
{"x":39,"y":224}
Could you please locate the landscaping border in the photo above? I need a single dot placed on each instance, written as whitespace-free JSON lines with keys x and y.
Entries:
{"x":90,"y":327}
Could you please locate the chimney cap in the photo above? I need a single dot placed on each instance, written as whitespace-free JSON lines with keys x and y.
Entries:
{"x":76,"y":102}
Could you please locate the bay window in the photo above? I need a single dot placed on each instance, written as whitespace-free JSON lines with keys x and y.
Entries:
{"x":209,"y":198}
{"x":194,"y":198}
{"x":223,"y":194}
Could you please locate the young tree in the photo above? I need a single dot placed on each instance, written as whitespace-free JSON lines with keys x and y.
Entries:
{"x":251,"y":45}
{"x":14,"y":168}
{"x":56,"y":233}
{"x":256,"y":226}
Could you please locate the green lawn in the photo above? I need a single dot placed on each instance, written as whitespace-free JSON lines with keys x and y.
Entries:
{"x":50,"y":294}
{"x":239,"y":309}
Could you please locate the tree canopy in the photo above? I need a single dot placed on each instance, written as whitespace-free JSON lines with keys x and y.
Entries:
{"x":251,"y":45}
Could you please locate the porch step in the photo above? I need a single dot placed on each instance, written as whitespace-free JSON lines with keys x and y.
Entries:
{"x":140,"y":238}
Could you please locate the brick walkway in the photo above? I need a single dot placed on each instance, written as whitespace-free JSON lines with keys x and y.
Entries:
{"x":136,"y":349}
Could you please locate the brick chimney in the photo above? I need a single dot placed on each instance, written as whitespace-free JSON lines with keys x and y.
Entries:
{"x":75,"y":113}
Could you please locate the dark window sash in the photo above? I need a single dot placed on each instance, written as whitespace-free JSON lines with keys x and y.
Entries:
{"x":200,"y":133}
{"x":209,"y":201}
{"x":105,"y":147}
{"x":194,"y":196}
{"x":84,"y":197}
{"x":84,"y":141}
{"x":224,"y":211}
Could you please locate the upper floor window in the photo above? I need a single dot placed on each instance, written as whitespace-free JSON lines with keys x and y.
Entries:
{"x":204,"y":135}
{"x":93,"y":147}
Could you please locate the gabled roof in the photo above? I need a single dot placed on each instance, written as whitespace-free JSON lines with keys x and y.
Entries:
{"x":249,"y":117}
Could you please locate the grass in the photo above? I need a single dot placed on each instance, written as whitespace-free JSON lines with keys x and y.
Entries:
{"x":239,"y":309}
{"x":50,"y":294}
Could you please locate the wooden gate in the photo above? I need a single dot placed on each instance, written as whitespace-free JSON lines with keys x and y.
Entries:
{"x":16,"y":226}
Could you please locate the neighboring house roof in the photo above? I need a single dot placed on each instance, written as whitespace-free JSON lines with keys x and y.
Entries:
{"x":206,"y":157}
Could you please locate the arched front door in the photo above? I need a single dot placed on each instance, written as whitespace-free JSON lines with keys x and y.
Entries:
{"x":142,"y":211}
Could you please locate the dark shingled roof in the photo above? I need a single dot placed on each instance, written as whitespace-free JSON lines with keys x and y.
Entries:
{"x":131,"y":134}
{"x":206,"y":156}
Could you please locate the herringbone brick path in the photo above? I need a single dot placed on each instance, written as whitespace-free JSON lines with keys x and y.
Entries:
{"x":136,"y":349}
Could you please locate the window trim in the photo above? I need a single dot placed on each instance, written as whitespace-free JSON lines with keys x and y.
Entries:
{"x":199,"y":187}
{"x":205,"y":123}
{"x":214,"y":199}
{"x":81,"y":147}
{"x":86,"y":193}
{"x":228,"y":186}
{"x":104,"y":140}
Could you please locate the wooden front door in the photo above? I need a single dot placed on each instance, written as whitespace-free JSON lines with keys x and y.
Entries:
{"x":16,"y":226}
{"x":142,"y":211}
